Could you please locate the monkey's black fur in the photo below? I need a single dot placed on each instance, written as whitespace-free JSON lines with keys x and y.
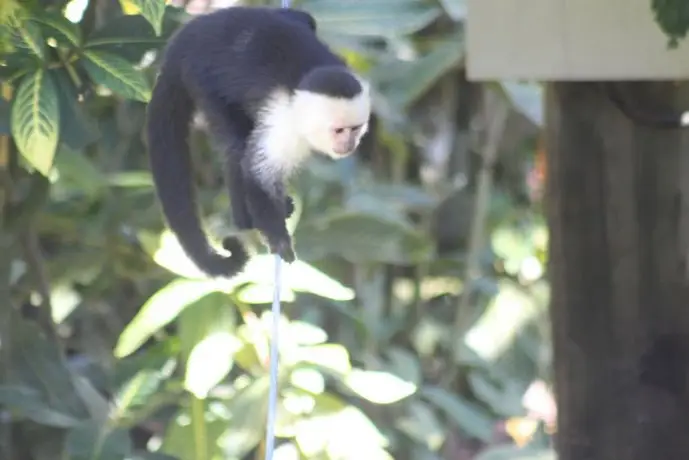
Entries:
{"x":226,"y":64}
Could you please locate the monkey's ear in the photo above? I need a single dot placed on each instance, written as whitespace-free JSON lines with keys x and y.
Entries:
{"x":299,"y":16}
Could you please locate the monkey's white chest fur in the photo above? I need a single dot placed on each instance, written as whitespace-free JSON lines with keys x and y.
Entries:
{"x":280,"y":149}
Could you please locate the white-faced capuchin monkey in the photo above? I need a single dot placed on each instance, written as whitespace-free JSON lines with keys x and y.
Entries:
{"x":271,"y":93}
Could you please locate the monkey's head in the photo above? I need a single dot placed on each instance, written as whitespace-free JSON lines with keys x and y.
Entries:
{"x":332,"y":107}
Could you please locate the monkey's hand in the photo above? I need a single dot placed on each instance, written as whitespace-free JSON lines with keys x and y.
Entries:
{"x":283,"y":247}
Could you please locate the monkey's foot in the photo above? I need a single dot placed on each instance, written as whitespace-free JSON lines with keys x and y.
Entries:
{"x":283,"y":248}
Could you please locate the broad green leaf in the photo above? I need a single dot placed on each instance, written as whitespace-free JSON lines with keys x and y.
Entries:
{"x":298,"y":276}
{"x":208,"y":343}
{"x":78,"y":128}
{"x":343,"y":433}
{"x":130,"y":37}
{"x":231,"y":429}
{"x":304,"y":333}
{"x":506,"y":401}
{"x":27,"y":38}
{"x":29,"y":403}
{"x":57,"y":26}
{"x":116,"y":74}
{"x":153,"y":11}
{"x":37,"y":363}
{"x":167,"y":252}
{"x":137,"y":391}
{"x":362,"y":237}
{"x":372,"y":17}
{"x":330,"y":357}
{"x":96,"y":404}
{"x":91,"y":441}
{"x":77,"y":171}
{"x":421,"y":74}
{"x":471,"y":419}
{"x":308,"y":379}
{"x":379,"y":387}
{"x":36,"y":120}
{"x":158,"y":311}
{"x":209,"y":362}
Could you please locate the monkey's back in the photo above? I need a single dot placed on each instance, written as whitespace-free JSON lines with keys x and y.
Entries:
{"x":242,"y":53}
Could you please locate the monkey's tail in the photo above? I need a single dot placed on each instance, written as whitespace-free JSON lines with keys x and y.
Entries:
{"x":169,"y":115}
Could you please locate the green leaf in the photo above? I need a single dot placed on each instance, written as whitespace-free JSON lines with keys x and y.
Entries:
{"x":231,"y":430}
{"x":329,"y":356}
{"x":91,"y":441}
{"x":130,"y":179}
{"x":372,"y":17}
{"x":362,"y":237}
{"x":153,"y":11}
{"x":27,"y":38}
{"x":167,"y":252}
{"x":130,"y":36}
{"x":78,"y":129}
{"x":420,"y":75}
{"x":36,"y":120}
{"x":158,"y":311}
{"x":116,"y":74}
{"x":78,"y":171}
{"x":27,"y":402}
{"x":379,"y":387}
{"x":137,"y":391}
{"x":57,"y":26}
{"x":38,"y":364}
{"x":208,"y":343}
{"x":473,"y":420}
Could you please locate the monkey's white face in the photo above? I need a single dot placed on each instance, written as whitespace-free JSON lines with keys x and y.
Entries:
{"x":332,"y":126}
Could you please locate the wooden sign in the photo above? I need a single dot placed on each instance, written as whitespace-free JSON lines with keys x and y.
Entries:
{"x":569,"y":40}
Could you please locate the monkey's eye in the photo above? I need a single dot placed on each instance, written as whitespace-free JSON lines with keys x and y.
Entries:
{"x":338,"y":130}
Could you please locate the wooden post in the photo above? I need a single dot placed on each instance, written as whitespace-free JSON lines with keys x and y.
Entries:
{"x":618,"y":207}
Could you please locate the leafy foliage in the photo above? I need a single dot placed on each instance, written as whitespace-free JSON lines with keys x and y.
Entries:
{"x":673,"y":18}
{"x":115,"y":347}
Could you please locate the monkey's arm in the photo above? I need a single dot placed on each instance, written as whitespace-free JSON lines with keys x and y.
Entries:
{"x":267,"y":205}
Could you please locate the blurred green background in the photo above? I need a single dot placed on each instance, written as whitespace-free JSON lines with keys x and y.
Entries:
{"x":415,"y":323}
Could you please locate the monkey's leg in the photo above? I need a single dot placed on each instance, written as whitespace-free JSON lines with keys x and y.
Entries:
{"x":267,"y":205}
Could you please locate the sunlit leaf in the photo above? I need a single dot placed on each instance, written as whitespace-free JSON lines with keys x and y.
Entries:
{"x":330,"y":357}
{"x":116,"y":74}
{"x":248,"y":419}
{"x":308,"y":379}
{"x":527,"y":98}
{"x":137,"y":391}
{"x":159,"y":310}
{"x":36,"y":120}
{"x":378,"y":387}
{"x":471,"y":419}
{"x":153,"y":11}
{"x":130,"y":179}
